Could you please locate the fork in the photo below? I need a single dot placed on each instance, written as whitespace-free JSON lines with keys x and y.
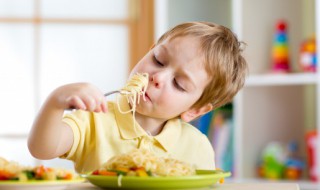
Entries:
{"x":116,"y":91}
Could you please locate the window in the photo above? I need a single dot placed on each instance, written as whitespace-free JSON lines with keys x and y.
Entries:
{"x":46,"y":43}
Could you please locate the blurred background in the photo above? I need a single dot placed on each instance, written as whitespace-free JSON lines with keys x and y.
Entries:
{"x":268,"y":131}
{"x":48,"y":43}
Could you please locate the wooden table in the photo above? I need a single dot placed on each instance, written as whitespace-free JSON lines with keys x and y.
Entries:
{"x":225,"y":186}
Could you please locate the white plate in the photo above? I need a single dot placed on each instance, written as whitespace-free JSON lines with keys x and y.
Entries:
{"x":38,"y":185}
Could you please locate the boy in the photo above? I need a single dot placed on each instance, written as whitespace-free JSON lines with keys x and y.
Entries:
{"x":193,"y":68}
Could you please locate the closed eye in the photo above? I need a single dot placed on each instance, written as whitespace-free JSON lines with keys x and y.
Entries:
{"x":157,"y":61}
{"x":178,"y":86}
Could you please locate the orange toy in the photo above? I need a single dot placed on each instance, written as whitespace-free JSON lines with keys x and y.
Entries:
{"x":308,"y":55}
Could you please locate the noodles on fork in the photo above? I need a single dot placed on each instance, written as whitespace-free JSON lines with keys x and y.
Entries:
{"x":134,"y":88}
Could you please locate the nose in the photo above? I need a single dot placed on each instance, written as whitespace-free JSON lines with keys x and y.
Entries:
{"x":157,"y":79}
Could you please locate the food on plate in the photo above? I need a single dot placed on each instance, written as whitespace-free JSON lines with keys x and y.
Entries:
{"x":143,"y":163}
{"x":10,"y":170}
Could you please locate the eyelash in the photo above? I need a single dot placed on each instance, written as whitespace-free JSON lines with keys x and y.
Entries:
{"x":175,"y":83}
{"x":157,"y":61}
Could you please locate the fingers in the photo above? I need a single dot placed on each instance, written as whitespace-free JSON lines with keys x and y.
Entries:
{"x":104,"y":106}
{"x":88,"y":103}
{"x":75,"y":102}
{"x":82,"y":96}
{"x":98,"y":104}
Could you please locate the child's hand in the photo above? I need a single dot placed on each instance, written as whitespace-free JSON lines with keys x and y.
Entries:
{"x":79,"y":96}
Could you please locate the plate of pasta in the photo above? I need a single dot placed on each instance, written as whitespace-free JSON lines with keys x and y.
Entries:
{"x":202,"y":178}
{"x":14,"y":176}
{"x":141,"y":169}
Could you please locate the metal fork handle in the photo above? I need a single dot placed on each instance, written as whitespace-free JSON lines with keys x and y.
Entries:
{"x":111,"y":92}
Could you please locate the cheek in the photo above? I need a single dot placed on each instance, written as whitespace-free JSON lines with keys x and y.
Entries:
{"x":166,"y":100}
{"x":174,"y":102}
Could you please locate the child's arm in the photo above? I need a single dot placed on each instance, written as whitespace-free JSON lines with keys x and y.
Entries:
{"x":49,"y":136}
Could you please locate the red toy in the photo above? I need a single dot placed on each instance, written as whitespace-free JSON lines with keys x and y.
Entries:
{"x":311,"y":139}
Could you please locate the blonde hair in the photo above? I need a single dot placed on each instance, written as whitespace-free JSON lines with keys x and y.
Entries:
{"x":223,"y":60}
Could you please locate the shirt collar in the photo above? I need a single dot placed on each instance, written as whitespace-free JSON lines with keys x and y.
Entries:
{"x":167,"y":138}
{"x":170,"y":134}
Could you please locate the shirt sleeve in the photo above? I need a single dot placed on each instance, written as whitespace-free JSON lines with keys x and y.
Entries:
{"x":76,"y":121}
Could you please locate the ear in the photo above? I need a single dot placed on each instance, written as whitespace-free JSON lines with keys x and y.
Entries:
{"x":193,"y":113}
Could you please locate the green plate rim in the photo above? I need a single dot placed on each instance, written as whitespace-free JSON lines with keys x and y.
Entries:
{"x":203,"y":177}
{"x":199,"y":174}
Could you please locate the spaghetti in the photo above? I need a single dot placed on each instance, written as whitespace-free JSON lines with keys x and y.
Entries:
{"x":134,"y":88}
{"x":141,"y":162}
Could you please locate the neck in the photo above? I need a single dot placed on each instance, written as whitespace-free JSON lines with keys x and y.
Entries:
{"x":151,"y":125}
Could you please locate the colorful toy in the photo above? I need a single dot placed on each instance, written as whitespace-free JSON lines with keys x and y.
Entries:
{"x":308,"y":55}
{"x":272,"y":166}
{"x":280,"y":163}
{"x":293,"y":164}
{"x":280,"y":54}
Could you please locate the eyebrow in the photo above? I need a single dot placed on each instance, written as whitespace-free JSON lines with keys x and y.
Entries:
{"x":161,"y":46}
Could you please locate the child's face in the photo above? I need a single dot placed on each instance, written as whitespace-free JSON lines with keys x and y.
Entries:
{"x":177,"y":77}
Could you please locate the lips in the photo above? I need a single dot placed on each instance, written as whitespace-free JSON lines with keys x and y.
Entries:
{"x":147,"y":97}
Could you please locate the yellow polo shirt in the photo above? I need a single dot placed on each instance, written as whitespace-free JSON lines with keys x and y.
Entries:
{"x":100,"y":136}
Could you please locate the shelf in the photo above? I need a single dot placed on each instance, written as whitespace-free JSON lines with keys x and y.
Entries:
{"x":281,"y":79}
